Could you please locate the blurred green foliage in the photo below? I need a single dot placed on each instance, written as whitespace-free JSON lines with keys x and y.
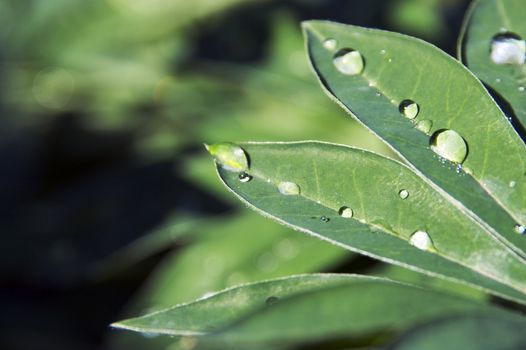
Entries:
{"x":105,"y":106}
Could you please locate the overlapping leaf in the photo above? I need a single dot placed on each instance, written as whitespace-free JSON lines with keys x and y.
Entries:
{"x":493,"y":19}
{"x":490,"y":183}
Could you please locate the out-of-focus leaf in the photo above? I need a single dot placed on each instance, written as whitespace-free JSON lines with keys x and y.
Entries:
{"x":477,"y":331}
{"x":486,"y":20}
{"x":454,"y":115}
{"x":241,"y":249}
{"x":375,"y":206}
{"x":299,"y":309}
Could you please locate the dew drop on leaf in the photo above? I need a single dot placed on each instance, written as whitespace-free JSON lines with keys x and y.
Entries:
{"x":521,"y":88}
{"x":288,"y":188}
{"x":403,"y":194}
{"x":421,"y":240}
{"x":512,"y":184}
{"x":229,"y":155}
{"x":409,"y":109}
{"x":508,"y":48}
{"x":330,"y":44}
{"x":520,"y":229}
{"x":348,"y":61}
{"x":424,"y":126}
{"x":345,"y":212}
{"x":244,"y":177}
{"x":271,"y":300}
{"x":325,"y":219}
{"x":449,"y":145}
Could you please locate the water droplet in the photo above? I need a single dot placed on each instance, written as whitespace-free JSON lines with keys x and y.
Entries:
{"x":498,"y":80}
{"x":345,"y":212}
{"x":421,"y":240}
{"x":520,"y":229}
{"x":449,"y":145}
{"x":330,"y":44}
{"x":289,"y":188}
{"x":390,"y":60}
{"x":371,"y":84}
{"x":271,"y":300}
{"x":508,"y":48}
{"x":325,"y":219}
{"x":403,"y":194}
{"x":521,"y":89}
{"x":378,"y":94}
{"x":244,"y":177}
{"x":424,"y":126}
{"x":512,"y":184}
{"x":229,"y":155}
{"x":409,"y":109}
{"x":348,"y":61}
{"x":382,"y":52}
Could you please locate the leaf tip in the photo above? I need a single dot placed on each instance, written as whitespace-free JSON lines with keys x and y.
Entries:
{"x":229,"y":155}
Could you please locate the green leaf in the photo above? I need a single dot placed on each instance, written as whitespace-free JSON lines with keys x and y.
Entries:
{"x":479,"y":331}
{"x":401,"y":70}
{"x":289,"y":310}
{"x":375,"y":206}
{"x":263,"y":250}
{"x":485,"y":20}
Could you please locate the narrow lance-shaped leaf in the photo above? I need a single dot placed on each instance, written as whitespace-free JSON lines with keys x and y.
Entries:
{"x":432,"y":111}
{"x":289,"y":310}
{"x":492,"y":46}
{"x":376,"y":206}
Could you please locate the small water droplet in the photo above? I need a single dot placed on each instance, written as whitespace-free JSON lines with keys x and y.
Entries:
{"x":345,"y":212}
{"x":409,"y":109}
{"x":521,"y":88}
{"x":390,"y":60}
{"x":512,"y":184}
{"x":449,"y":145}
{"x":244,"y":177}
{"x":271,"y":300}
{"x":330,"y":44}
{"x":229,"y":155}
{"x":498,"y":80}
{"x":371,"y":84}
{"x":325,"y":219}
{"x":520,"y":229}
{"x":403,"y":194}
{"x":378,"y":94}
{"x":382,"y":52}
{"x":288,"y":188}
{"x":348,"y":61}
{"x":421,"y":240}
{"x":508,"y":48}
{"x":424,"y":126}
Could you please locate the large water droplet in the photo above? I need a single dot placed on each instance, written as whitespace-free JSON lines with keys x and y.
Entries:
{"x":345,"y":212}
{"x":403,"y":194}
{"x":409,"y":109}
{"x":229,"y":155}
{"x":421,"y":240}
{"x":330,"y":44}
{"x":449,"y":145}
{"x":325,"y":219}
{"x":508,"y":48}
{"x":244,"y":177}
{"x":424,"y":126}
{"x":348,"y":61}
{"x":520,"y":229}
{"x":289,"y":188}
